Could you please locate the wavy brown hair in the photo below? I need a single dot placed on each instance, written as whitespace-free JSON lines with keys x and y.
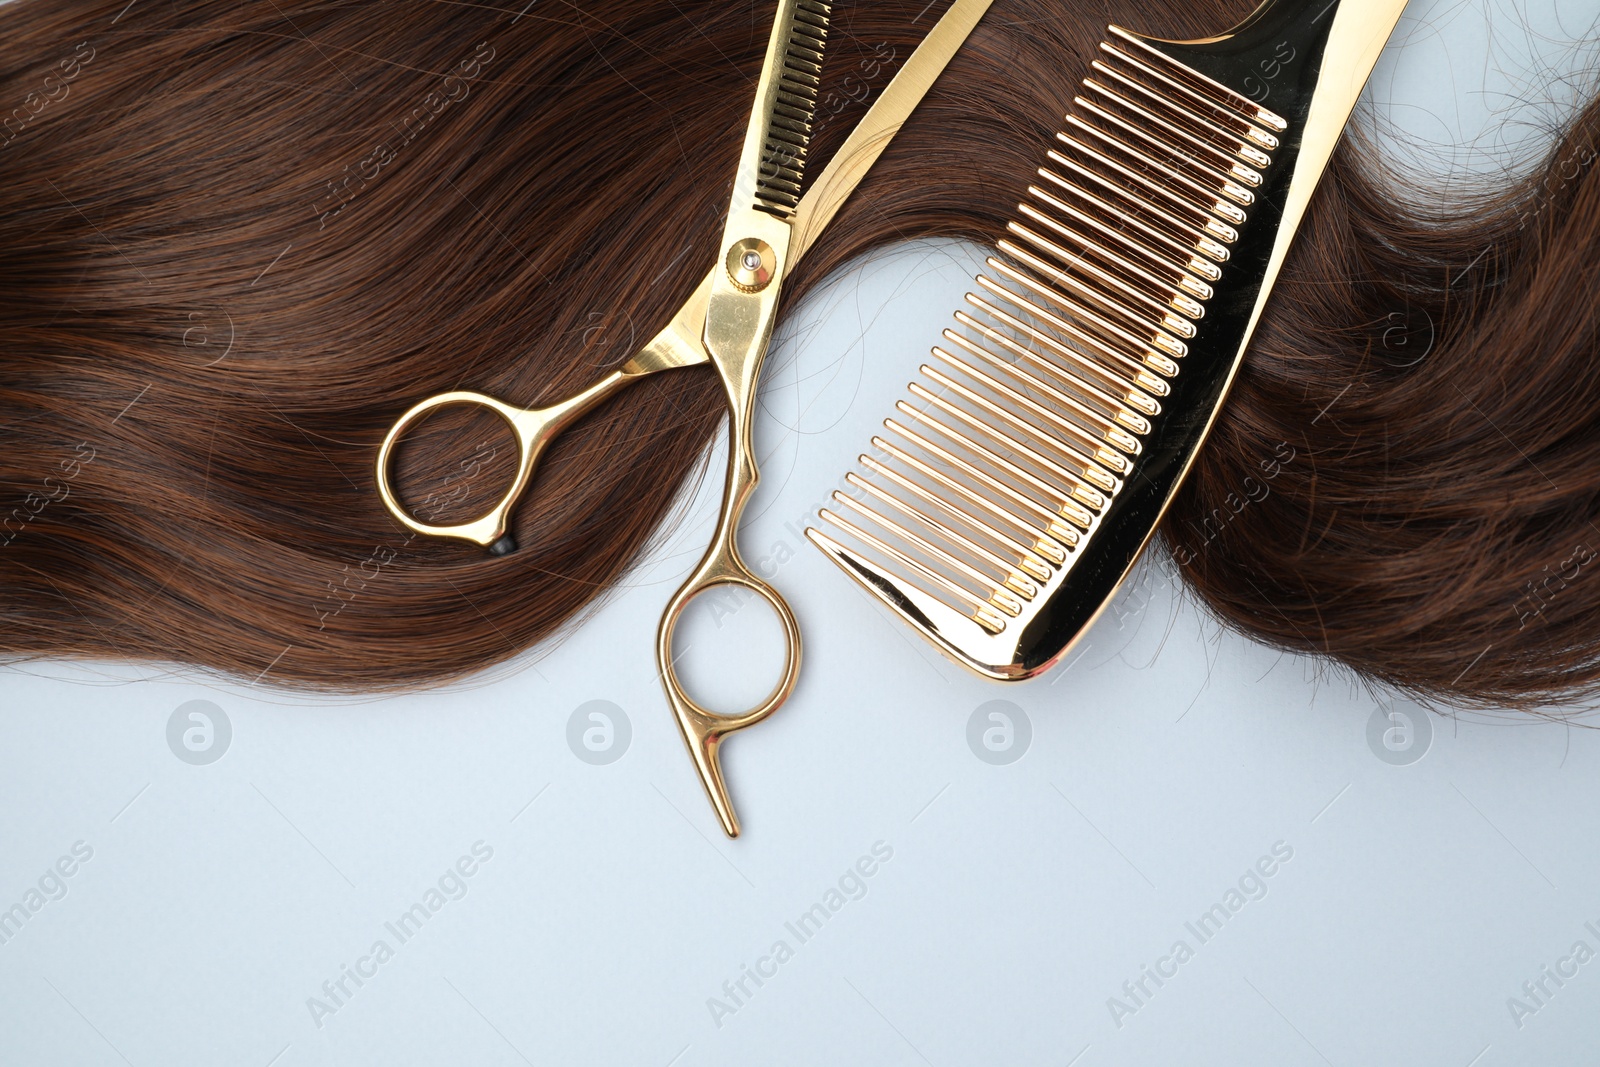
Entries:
{"x":240,"y":237}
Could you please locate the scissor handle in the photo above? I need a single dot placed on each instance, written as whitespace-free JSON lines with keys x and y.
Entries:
{"x":534,"y":429}
{"x":703,"y":729}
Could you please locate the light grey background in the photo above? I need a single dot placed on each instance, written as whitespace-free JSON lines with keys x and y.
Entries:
{"x":1165,"y":760}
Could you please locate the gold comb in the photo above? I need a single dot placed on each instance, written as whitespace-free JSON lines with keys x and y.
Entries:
{"x":1011,"y":493}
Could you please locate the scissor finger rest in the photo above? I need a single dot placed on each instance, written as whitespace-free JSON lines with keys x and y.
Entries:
{"x":703,"y":729}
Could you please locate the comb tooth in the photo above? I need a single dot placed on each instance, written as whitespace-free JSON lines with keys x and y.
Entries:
{"x":1168,"y":321}
{"x":1234,"y":138}
{"x":775,"y":170}
{"x":1093,"y":474}
{"x":777,"y":188}
{"x":1045,"y":548}
{"x":1205,"y":268}
{"x":1237,"y":100}
{"x":1226,"y":234}
{"x":1254,"y":156}
{"x":986,"y":618}
{"x":806,"y":42}
{"x":778,"y":169}
{"x":801,"y":84}
{"x":776,"y":173}
{"x":1105,"y":304}
{"x":1142,"y":377}
{"x":1014,"y":581}
{"x":1197,"y":209}
{"x":1181,"y":98}
{"x":929,"y":609}
{"x":1145,"y":229}
{"x":802,"y":62}
{"x":1128,"y":409}
{"x":1150,"y":382}
{"x":1128,"y":207}
{"x":998,"y":596}
{"x":1196,"y":288}
{"x":1184,"y":274}
{"x":1249,"y":176}
{"x":1094,"y":466}
{"x":1116,"y":86}
{"x":1014,"y":578}
{"x":1178,"y":325}
{"x":1253,"y":131}
{"x":1135,"y":394}
{"x":1152,"y":292}
{"x":1195,"y":233}
{"x":1067,"y":502}
{"x":1142,"y":348}
{"x":1107,"y":431}
{"x":1187,"y":306}
{"x":1103,"y":423}
{"x":794,"y":142}
{"x":1220,"y":162}
{"x":1028,"y":561}
{"x":1147,"y":162}
{"x":1123,"y":272}
{"x":1054,"y":533}
{"x":1119,"y":359}
{"x":1218,"y":181}
{"x":781,"y":162}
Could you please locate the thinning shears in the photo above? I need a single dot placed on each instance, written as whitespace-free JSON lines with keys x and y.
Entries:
{"x":727,"y":322}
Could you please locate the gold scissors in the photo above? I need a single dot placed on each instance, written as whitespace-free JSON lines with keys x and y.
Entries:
{"x":727,"y":321}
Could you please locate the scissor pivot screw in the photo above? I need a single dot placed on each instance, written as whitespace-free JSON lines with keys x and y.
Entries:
{"x":750,"y":263}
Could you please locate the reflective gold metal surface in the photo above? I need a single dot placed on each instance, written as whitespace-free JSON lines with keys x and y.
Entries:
{"x":1073,"y":395}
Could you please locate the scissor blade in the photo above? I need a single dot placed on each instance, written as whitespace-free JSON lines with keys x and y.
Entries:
{"x":679,"y":344}
{"x":775,"y":141}
{"x":881,"y":122}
